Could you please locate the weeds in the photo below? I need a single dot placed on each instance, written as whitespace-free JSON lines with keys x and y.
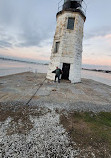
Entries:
{"x":88,"y":129}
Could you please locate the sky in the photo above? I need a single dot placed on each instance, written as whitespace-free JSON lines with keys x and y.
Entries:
{"x":27,"y":29}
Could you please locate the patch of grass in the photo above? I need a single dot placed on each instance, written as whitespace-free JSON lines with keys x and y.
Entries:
{"x":88,"y":129}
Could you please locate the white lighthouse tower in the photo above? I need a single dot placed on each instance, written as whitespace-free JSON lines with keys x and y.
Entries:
{"x":67,"y":44}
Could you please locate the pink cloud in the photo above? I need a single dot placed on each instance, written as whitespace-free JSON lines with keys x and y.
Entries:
{"x":97,"y":60}
{"x":32,"y":53}
{"x":108,"y":36}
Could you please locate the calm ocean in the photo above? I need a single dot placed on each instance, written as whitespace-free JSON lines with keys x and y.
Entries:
{"x":13,"y":67}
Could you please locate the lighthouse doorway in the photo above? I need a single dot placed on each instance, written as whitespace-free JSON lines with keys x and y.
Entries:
{"x":65,"y":69}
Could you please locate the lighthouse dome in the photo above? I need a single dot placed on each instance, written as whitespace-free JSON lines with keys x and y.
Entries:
{"x":72,"y":4}
{"x":73,"y":0}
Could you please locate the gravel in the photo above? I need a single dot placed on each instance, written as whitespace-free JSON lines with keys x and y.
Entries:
{"x":77,"y":106}
{"x":47,"y":139}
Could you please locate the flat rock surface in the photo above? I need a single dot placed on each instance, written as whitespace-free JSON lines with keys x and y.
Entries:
{"x":29,"y":119}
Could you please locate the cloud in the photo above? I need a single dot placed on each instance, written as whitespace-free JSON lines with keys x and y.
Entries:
{"x":32,"y":37}
{"x":108,"y":36}
{"x":5,"y":44}
{"x":5,"y":41}
{"x":98,"y":32}
{"x":28,"y":22}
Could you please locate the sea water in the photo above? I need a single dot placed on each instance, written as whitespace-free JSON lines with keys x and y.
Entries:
{"x":12,"y":67}
{"x":97,"y":76}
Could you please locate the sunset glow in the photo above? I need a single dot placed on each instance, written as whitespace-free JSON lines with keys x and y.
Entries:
{"x":30,"y":36}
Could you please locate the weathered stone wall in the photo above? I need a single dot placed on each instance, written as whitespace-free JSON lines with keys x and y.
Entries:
{"x":70,"y":48}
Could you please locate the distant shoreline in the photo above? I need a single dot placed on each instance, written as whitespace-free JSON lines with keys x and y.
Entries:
{"x":23,"y":61}
{"x":104,"y":71}
{"x":31,"y":62}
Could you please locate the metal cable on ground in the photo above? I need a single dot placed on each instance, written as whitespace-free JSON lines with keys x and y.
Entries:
{"x":27,"y":102}
{"x":35,"y":92}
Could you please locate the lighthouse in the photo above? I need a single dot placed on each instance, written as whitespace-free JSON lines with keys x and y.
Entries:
{"x":67,"y":44}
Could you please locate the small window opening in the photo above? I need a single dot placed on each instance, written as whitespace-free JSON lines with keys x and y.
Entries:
{"x":57,"y":47}
{"x":70,"y":24}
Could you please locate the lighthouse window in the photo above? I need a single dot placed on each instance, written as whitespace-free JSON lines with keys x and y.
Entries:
{"x":70,"y":24}
{"x":57,"y":47}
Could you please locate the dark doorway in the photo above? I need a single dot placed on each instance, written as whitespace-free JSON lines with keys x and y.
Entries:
{"x":65,"y":69}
